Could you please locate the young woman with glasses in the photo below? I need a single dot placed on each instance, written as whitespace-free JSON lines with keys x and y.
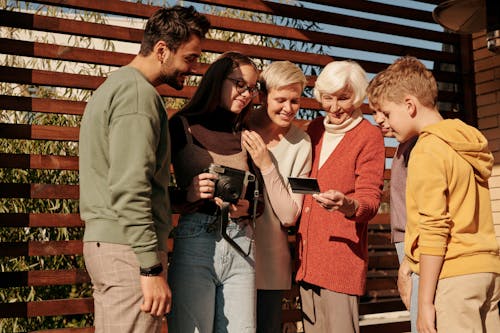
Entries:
{"x":213,"y":284}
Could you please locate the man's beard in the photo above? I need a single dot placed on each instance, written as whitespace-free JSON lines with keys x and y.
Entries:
{"x":172,"y":80}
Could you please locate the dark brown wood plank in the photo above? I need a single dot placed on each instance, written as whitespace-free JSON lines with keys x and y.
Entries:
{"x":329,"y":17}
{"x":398,"y":326}
{"x":43,"y":278}
{"x":38,"y":132}
{"x":383,"y":260}
{"x":381,"y":218}
{"x":47,"y":248}
{"x":25,"y":161}
{"x":47,"y":308}
{"x":60,"y":52}
{"x":52,"y":24}
{"x":329,"y":39}
{"x":280,"y":9}
{"x":381,"y":306}
{"x":40,"y":220}
{"x":39,"y":191}
{"x":45,"y":105}
{"x":69,"y":330}
{"x":387,"y":283}
{"x":381,"y":9}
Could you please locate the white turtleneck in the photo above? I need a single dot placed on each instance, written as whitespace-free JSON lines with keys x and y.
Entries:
{"x":334,"y":133}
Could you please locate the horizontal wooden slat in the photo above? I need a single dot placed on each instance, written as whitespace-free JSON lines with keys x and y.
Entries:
{"x":381,"y":306}
{"x":47,"y":248}
{"x":268,"y":7}
{"x":58,"y":79}
{"x":43,"y":278}
{"x":68,"y":330}
{"x":378,"y":284}
{"x":381,"y":218}
{"x":398,"y":326}
{"x":47,"y":308}
{"x":39,"y":191}
{"x":37,"y":220}
{"x":40,"y":220}
{"x":38,"y":132}
{"x":52,"y":24}
{"x":328,"y":17}
{"x":46,"y":105}
{"x":85,"y":55}
{"x":60,"y":52}
{"x":382,"y":9}
{"x":382,"y":260}
{"x":232,"y":24}
{"x":25,"y":161}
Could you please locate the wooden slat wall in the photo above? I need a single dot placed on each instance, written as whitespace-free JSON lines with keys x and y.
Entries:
{"x":381,"y":295}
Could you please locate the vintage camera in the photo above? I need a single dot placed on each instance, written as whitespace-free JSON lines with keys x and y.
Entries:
{"x":231,"y":184}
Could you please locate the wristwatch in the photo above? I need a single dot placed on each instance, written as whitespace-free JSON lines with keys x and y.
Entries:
{"x":152,"y":271}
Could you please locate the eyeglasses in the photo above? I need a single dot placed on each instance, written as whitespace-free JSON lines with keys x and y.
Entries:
{"x":241,"y":86}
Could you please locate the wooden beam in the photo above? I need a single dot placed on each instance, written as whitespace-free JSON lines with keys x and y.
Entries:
{"x":46,"y":248}
{"x":36,"y":161}
{"x":58,"y":307}
{"x":39,"y":191}
{"x":36,"y":220}
{"x":43,"y":278}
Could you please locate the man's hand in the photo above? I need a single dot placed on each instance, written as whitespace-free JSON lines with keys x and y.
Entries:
{"x":157,"y":295}
{"x":404,"y":283}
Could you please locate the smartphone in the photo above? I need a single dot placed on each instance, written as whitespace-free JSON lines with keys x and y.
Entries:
{"x":304,"y":185}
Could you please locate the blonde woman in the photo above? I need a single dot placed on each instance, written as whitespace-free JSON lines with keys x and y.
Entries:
{"x":279,"y":150}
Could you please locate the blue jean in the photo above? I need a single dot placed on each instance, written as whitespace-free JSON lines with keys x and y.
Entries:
{"x":213,"y":285}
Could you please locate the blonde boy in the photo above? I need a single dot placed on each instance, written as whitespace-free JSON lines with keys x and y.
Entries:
{"x":450,"y":239}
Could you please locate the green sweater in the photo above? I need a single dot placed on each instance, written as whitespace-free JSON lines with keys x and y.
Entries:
{"x":124,"y":166}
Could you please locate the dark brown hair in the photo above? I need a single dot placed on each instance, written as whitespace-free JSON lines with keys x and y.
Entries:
{"x":174,"y":26}
{"x":207,"y":97}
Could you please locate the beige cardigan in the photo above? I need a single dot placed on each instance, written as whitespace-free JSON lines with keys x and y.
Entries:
{"x":291,"y":157}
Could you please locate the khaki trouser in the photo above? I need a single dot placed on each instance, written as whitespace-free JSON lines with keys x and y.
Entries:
{"x":325,"y":311}
{"x":114,"y":271}
{"x":468,"y":303}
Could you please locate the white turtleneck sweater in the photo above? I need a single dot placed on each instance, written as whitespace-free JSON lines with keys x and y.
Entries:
{"x":335,"y":133}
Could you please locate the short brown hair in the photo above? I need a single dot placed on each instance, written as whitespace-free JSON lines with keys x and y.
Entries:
{"x":174,"y":26}
{"x":407,"y":75}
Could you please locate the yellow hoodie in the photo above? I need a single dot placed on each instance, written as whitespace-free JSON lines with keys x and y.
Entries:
{"x":448,"y":200}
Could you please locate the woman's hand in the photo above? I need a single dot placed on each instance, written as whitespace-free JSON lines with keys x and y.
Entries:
{"x":334,"y":200}
{"x":257,"y":148}
{"x":202,"y":187}
{"x":236,"y":210}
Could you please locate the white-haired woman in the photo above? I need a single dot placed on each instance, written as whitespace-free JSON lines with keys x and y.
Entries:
{"x":348,"y":161}
{"x":279,"y":150}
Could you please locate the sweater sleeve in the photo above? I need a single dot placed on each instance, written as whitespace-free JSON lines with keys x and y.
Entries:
{"x":285,"y":204}
{"x":288,"y":205}
{"x":428,"y":187}
{"x":133,"y":139}
{"x":369,"y":174}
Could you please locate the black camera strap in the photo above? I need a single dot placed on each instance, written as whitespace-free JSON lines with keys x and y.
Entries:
{"x":224,"y":221}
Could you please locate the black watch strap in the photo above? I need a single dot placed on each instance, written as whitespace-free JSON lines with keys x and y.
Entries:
{"x":152,"y":271}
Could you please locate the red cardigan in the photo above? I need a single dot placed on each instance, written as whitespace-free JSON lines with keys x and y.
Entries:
{"x":333,"y":249}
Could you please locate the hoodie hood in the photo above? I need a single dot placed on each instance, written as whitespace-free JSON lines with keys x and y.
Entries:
{"x":468,"y":142}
